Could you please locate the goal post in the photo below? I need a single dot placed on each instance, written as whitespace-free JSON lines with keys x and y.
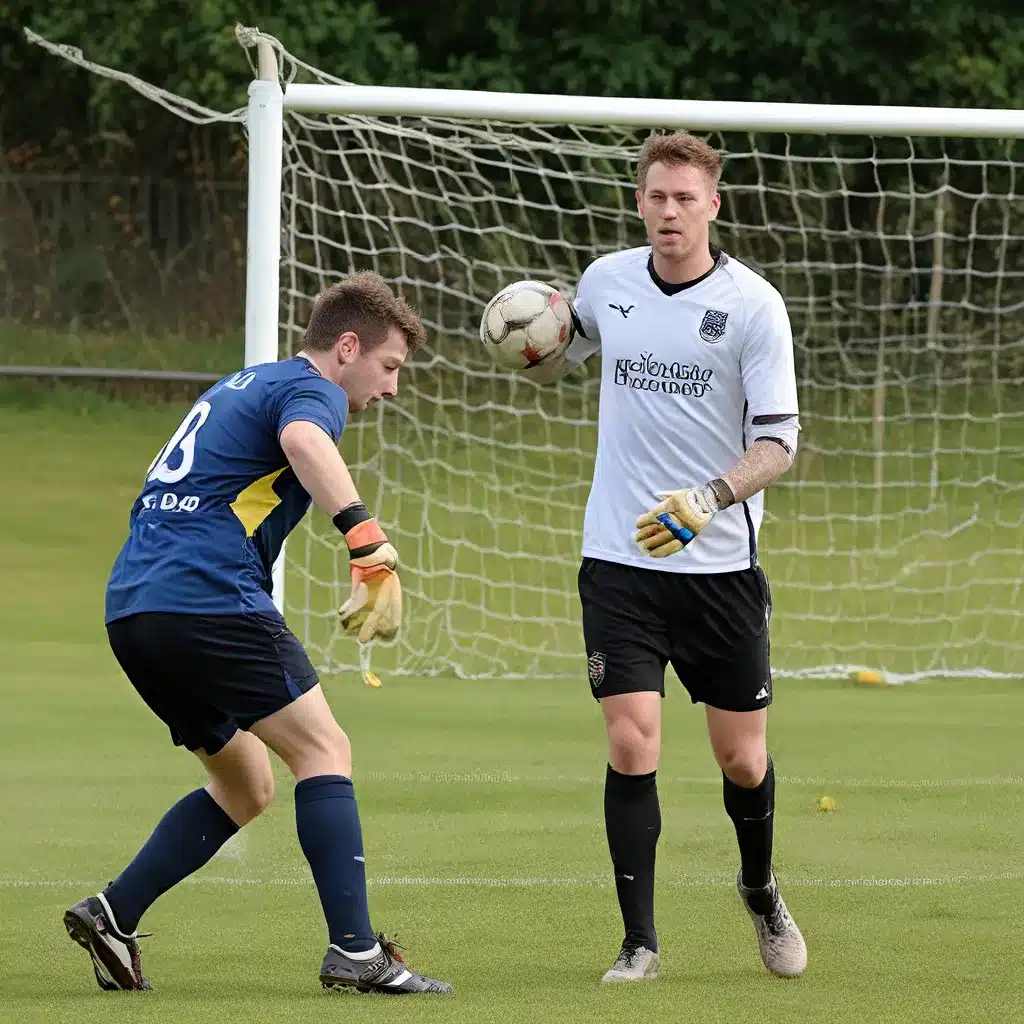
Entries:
{"x":693,"y":115}
{"x":265,"y":126}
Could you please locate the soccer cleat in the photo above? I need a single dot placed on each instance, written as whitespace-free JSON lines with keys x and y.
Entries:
{"x":634,"y":963}
{"x":386,"y":972}
{"x":783,"y":949}
{"x":116,"y":960}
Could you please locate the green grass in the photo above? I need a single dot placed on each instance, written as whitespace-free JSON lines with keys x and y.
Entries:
{"x":22,"y":345}
{"x":473,"y":793}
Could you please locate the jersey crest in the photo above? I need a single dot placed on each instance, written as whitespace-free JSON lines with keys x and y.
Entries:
{"x":712,"y":327}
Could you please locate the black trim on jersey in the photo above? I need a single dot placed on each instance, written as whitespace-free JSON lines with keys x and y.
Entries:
{"x":751,"y":536}
{"x":674,"y":289}
{"x":777,"y":440}
{"x":577,"y":323}
{"x":775,"y":417}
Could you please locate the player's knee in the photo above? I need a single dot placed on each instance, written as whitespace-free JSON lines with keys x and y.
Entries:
{"x":632,"y":746}
{"x":327,"y":752}
{"x":743,"y":767}
{"x":246,"y":797}
{"x":262,"y":793}
{"x":256,"y":797}
{"x":633,"y":732}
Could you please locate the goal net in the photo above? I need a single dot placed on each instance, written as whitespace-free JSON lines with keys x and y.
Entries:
{"x":895,"y":541}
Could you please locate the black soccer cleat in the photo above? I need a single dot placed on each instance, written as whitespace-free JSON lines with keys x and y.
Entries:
{"x":116,"y":959}
{"x":386,"y":973}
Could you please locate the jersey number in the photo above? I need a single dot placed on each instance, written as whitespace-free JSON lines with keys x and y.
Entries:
{"x":183,"y":440}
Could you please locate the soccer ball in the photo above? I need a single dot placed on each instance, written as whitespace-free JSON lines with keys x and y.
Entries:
{"x":525,"y":323}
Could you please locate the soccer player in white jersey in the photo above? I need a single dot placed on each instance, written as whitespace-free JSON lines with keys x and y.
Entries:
{"x":698,"y":414}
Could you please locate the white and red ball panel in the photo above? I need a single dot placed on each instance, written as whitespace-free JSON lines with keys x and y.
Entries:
{"x":525,"y":323}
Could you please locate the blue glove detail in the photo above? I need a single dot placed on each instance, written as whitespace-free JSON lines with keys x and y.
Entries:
{"x":681,"y":533}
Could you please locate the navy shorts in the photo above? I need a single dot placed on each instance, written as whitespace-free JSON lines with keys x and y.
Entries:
{"x":207,"y":676}
{"x":711,"y":627}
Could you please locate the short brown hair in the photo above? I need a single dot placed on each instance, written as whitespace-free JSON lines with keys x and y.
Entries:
{"x":364,"y":304}
{"x":680,"y":148}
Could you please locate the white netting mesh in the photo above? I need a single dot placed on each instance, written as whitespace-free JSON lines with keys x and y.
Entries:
{"x":893,"y":543}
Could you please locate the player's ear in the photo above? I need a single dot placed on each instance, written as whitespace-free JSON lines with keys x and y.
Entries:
{"x":347,"y":346}
{"x":716,"y":205}
{"x":640,"y":202}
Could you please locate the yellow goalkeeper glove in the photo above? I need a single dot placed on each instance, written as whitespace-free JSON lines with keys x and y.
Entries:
{"x":680,"y":516}
{"x":374,"y":609}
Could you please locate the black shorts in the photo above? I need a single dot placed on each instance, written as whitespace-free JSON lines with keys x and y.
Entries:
{"x":207,"y":676}
{"x":712,"y":628}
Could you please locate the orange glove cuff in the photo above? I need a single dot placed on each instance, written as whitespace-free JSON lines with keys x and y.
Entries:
{"x":366,"y":534}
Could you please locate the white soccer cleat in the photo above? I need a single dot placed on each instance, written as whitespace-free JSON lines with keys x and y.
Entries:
{"x":634,"y":963}
{"x":783,"y":949}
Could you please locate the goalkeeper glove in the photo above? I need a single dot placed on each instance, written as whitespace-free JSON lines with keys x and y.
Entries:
{"x":673,"y":523}
{"x":374,"y":608}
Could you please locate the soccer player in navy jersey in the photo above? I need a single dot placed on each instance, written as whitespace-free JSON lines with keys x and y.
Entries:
{"x":191,"y":620}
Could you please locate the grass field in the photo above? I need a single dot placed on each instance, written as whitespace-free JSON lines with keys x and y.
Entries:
{"x":481,"y":809}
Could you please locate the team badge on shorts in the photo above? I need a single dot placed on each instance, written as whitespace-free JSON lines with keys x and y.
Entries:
{"x":595,"y":667}
{"x":712,"y":327}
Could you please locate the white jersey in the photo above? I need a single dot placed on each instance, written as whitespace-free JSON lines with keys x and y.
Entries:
{"x":685,"y":369}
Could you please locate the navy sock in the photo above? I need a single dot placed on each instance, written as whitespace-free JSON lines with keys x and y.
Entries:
{"x":327,"y":821}
{"x":632,"y":817}
{"x":753,"y":814}
{"x":188,"y":835}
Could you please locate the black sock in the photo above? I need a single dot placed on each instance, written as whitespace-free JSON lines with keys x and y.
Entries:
{"x":753,"y":815}
{"x":632,"y":820}
{"x":188,"y":835}
{"x":327,"y":820}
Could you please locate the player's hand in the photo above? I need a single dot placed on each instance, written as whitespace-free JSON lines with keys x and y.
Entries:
{"x":554,"y":366}
{"x":551,"y":368}
{"x":374,"y":608}
{"x":676,"y":520}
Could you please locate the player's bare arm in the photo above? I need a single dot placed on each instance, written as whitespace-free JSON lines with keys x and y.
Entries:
{"x":762,"y":464}
{"x":319,"y":466}
{"x":375,"y":605}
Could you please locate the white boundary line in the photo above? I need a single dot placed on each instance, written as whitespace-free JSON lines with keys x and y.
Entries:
{"x":484,"y":778}
{"x":594,"y":882}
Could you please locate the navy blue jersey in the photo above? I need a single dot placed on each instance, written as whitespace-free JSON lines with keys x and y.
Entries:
{"x":220,"y":497}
